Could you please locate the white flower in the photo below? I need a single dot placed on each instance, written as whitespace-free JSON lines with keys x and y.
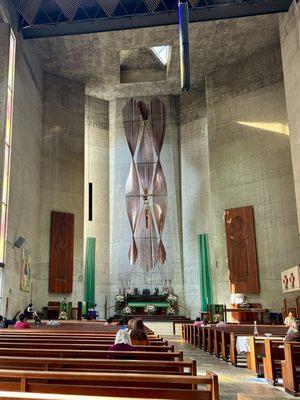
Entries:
{"x":150,"y":309}
{"x":127,"y":310}
{"x":171,"y":310}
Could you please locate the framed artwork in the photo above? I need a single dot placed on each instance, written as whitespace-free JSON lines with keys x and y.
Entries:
{"x":241,"y":250}
{"x":25,"y":270}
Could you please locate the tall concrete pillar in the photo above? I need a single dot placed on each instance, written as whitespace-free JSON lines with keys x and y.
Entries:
{"x":97,"y":173}
{"x":62,"y":176}
{"x":289,"y":24}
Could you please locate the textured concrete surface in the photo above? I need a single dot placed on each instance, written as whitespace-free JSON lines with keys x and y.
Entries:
{"x":195,"y":189}
{"x":213,"y":44}
{"x":290,"y":49}
{"x":62,"y":177}
{"x":250,"y":164}
{"x":97,"y":172}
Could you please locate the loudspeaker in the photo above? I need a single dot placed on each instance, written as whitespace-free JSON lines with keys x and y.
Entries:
{"x":19,"y":242}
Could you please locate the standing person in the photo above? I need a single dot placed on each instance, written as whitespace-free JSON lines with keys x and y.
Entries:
{"x":28,"y":311}
{"x":138,"y":333}
{"x":22,"y":323}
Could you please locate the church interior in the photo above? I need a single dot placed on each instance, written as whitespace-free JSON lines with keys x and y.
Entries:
{"x":149,"y":170}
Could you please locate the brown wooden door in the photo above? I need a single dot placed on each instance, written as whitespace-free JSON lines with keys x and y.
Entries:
{"x":61,"y":252}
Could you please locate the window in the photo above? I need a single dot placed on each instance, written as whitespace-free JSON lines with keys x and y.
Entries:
{"x":162,"y":53}
{"x":7,"y":144}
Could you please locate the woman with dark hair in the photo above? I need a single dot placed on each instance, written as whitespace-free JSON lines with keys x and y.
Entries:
{"x":138,"y":333}
{"x":22,"y":323}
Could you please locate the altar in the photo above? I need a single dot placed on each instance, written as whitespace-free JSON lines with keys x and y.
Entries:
{"x":138,"y":302}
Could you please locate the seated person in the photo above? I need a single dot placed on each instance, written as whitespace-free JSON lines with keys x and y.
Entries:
{"x":130,"y":324}
{"x":22,"y":323}
{"x":289,"y":320}
{"x":294,"y":335}
{"x":221,"y":323}
{"x":37,"y":321}
{"x":205,"y":322}
{"x":51,"y":322}
{"x":123,"y":324}
{"x":198,"y":322}
{"x":109,"y":321}
{"x":122,"y":343}
{"x":138,"y":333}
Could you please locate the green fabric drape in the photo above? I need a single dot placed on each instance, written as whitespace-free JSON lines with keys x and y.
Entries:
{"x":204,"y":264}
{"x":89,"y":281}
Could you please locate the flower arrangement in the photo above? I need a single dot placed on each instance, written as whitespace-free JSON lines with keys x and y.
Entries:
{"x":120,"y":299}
{"x":63,"y":316}
{"x":170,"y":310}
{"x":172,"y":299}
{"x":150,"y":309}
{"x":127,"y":310}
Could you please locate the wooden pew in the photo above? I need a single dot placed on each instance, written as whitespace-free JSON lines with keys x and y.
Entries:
{"x":98,"y":354}
{"x":81,"y":346}
{"x":274,"y":354}
{"x":50,"y":396}
{"x":290,"y":368}
{"x":95,"y":365}
{"x":113,"y":384}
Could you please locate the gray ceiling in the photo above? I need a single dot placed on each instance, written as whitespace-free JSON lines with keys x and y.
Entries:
{"x":95,"y":59}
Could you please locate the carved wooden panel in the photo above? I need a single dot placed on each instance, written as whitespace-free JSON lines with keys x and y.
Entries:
{"x":61,"y":252}
{"x":241,"y":250}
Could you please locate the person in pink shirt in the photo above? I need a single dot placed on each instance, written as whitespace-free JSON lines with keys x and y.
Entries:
{"x":22,"y":323}
{"x":198,"y":322}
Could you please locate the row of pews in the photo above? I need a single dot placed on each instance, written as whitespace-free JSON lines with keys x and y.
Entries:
{"x":268,"y":356}
{"x":75,"y":360}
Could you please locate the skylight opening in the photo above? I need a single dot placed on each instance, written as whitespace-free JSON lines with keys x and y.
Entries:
{"x":162,"y":53}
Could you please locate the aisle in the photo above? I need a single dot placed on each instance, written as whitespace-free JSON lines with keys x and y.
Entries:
{"x":232,"y":380}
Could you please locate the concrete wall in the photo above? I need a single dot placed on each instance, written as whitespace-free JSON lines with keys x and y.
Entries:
{"x":250,"y":164}
{"x":119,"y":226}
{"x":62,"y":177}
{"x":289,"y":24}
{"x":195,"y":190}
{"x":24,"y":195}
{"x":97,"y":172}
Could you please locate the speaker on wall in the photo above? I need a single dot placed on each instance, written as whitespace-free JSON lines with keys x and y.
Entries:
{"x":19,"y":242}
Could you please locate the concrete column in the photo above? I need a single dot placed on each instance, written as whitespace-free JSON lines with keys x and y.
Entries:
{"x":195,"y":190}
{"x":289,"y":24}
{"x":97,"y":172}
{"x":62,"y":178}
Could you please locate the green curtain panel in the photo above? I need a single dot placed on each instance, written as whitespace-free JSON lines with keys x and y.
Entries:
{"x":205,"y":279}
{"x":89,"y":281}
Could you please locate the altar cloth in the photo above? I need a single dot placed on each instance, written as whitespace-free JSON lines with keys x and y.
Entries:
{"x":145,"y":303}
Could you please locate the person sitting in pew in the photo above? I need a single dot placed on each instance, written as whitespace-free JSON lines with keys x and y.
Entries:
{"x":51,"y":322}
{"x":221,"y":323}
{"x":109,"y":321}
{"x":122,"y":343}
{"x":130,"y":325}
{"x":123,"y":324}
{"x":289,"y":320}
{"x":138,"y":333}
{"x":22,"y":323}
{"x":198,"y":322}
{"x":294,"y":335}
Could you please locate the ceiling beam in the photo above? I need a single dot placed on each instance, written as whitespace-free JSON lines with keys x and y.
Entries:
{"x":235,"y":9}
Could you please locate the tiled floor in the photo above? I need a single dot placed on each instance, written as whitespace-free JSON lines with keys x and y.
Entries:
{"x":232,"y":380}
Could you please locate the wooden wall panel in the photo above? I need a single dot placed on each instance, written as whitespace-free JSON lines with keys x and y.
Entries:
{"x":241,"y":250}
{"x":61,"y":252}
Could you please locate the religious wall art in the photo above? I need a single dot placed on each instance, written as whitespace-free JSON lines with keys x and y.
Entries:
{"x":146,"y":188}
{"x":241,"y":250}
{"x":25,"y":270}
{"x":290,"y":279}
{"x":61,"y":252}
